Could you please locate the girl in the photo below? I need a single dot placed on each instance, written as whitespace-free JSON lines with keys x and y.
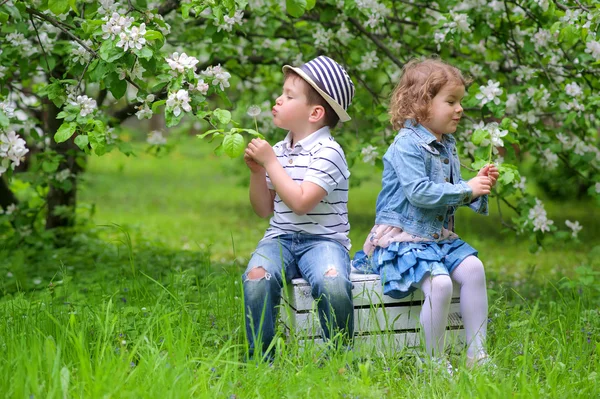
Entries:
{"x":412,"y":244}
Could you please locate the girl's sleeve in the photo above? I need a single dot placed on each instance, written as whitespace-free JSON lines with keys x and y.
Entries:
{"x":479,"y":204}
{"x":408,"y":161}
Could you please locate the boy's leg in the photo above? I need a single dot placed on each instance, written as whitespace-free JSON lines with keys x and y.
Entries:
{"x":470,"y":275}
{"x":326,"y":266}
{"x":262,"y":282}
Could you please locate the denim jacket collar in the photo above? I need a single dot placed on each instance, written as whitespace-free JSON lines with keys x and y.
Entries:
{"x":309,"y":141}
{"x":425,"y":136}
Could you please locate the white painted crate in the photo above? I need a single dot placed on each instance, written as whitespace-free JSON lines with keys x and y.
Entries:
{"x":378,"y":318}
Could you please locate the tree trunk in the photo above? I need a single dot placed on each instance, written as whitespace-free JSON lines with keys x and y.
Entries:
{"x":7,"y":197}
{"x":57,"y":198}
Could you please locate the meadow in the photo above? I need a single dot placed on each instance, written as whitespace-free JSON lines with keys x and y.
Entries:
{"x":146,"y":300}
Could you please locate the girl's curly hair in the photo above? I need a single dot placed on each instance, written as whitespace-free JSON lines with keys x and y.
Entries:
{"x":421,"y":81}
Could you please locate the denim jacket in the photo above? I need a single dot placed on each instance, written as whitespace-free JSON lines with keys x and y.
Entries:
{"x":421,"y":184}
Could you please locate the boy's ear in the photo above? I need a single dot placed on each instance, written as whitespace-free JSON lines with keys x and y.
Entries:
{"x":317,"y":114}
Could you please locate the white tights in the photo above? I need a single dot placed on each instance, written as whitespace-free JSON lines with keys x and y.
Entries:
{"x":470,"y":277}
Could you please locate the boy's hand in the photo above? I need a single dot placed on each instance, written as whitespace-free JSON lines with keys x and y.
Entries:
{"x":490,"y":171}
{"x":481,"y":185}
{"x":252,"y":164}
{"x":261,"y":152}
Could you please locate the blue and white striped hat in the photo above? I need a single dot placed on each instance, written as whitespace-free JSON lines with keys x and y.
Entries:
{"x":330,"y":80}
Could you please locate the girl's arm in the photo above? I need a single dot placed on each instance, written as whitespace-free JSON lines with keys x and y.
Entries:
{"x":480,"y":204}
{"x":408,"y":161}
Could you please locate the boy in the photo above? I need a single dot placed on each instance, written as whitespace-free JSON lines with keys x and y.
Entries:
{"x":303,"y":182}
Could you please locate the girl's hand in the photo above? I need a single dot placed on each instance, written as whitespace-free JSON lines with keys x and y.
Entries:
{"x":261,"y":152}
{"x":480,"y":185}
{"x":252,"y":164}
{"x":490,"y":171}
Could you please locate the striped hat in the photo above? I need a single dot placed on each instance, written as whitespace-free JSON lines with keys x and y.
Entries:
{"x":330,"y":80}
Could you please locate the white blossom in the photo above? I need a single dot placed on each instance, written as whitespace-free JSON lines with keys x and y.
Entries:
{"x":230,"y":22}
{"x":3,"y":70}
{"x":156,"y":138}
{"x":8,"y":107}
{"x":144,"y":112}
{"x":564,"y":140}
{"x":87,"y":105}
{"x":115,"y":25}
{"x":10,"y":209}
{"x":580,"y":147}
{"x":369,"y":154}
{"x":322,"y":37}
{"x":107,"y":6}
{"x":476,"y":70}
{"x":541,"y":38}
{"x":539,"y":218}
{"x":549,"y":159}
{"x":495,"y":133}
{"x":573,"y":89}
{"x":178,"y":101}
{"x":80,"y":54}
{"x":62,"y":175}
{"x":12,"y":150}
{"x":489,"y":93}
{"x":543,"y":4}
{"x":459,"y":21}
{"x":17,"y":40}
{"x":368,"y":61}
{"x":529,"y":117}
{"x":593,"y":47}
{"x":181,"y":62}
{"x":219,"y":75}
{"x":520,"y":185}
{"x":598,"y":188}
{"x":575,"y":226}
{"x":512,"y":102}
{"x":571,"y":16}
{"x":524,"y":73}
{"x":132,"y":38}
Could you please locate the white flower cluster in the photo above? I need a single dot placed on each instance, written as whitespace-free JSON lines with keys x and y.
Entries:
{"x":512,"y":103}
{"x":8,"y":211}
{"x":3,"y":70}
{"x":12,"y":151}
{"x":597,"y":187}
{"x":520,"y":185}
{"x":323,"y":37}
{"x":574,"y":226}
{"x":369,"y":154}
{"x":144,"y":110}
{"x":573,"y":89}
{"x":18,"y":40}
{"x":495,"y":132}
{"x":539,"y":218}
{"x":489,"y":93}
{"x":8,"y":107}
{"x":539,"y":98}
{"x":115,"y":25}
{"x":541,"y":39}
{"x":86,"y":105}
{"x":181,"y":62}
{"x":230,"y":22}
{"x":132,"y":38}
{"x":458,"y":22}
{"x":80,"y":54}
{"x":179,"y":100}
{"x":368,"y":61}
{"x":544,"y":4}
{"x":375,"y":11}
{"x":107,"y":6}
{"x":219,"y":76}
{"x":156,"y":138}
{"x":593,"y":47}
{"x":549,"y":159}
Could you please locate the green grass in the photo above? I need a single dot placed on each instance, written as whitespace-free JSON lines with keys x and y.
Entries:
{"x":153,"y":309}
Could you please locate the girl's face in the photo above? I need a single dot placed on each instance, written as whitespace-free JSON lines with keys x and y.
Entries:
{"x":445,"y":111}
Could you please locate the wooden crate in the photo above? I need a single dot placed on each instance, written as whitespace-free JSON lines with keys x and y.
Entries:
{"x":378,"y":319}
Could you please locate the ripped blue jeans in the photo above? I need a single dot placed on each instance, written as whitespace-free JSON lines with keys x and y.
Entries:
{"x":324,"y":263}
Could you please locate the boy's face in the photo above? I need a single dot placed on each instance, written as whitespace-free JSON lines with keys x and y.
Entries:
{"x":291,"y":110}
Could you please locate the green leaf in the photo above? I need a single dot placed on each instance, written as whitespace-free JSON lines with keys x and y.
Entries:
{"x":145,"y":52}
{"x":82,"y":141}
{"x":50,"y":166}
{"x":109,"y":52}
{"x":153,"y":35}
{"x":506,"y":178}
{"x":116,"y":86}
{"x":4,"y":122}
{"x":234,"y":145}
{"x":203,"y":135}
{"x":295,"y":8}
{"x":479,"y":135}
{"x":3,"y":17}
{"x":222,"y":115}
{"x":65,"y":131}
{"x":157,"y":104}
{"x":310,"y":4}
{"x":58,"y":6}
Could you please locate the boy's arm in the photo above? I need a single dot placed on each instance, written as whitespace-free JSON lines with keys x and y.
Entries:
{"x":299,"y":198}
{"x":261,"y":197}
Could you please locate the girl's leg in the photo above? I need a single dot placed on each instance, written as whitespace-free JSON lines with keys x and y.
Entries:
{"x":470,"y":275}
{"x":434,"y":313}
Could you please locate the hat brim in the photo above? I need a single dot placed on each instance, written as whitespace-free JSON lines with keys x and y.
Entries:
{"x":337,"y":108}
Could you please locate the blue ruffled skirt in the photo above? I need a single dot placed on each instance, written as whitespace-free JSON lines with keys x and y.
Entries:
{"x":402,"y":265}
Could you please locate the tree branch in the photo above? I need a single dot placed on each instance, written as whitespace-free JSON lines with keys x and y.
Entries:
{"x":377,"y":42}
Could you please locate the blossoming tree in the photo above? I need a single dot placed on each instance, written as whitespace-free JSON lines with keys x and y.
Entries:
{"x":72,"y":71}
